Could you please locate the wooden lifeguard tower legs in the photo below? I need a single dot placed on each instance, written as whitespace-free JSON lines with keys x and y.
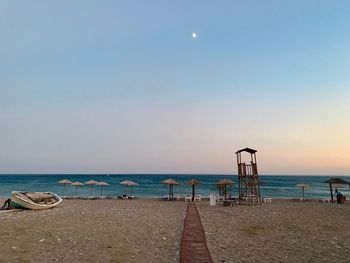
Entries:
{"x":248,"y":178}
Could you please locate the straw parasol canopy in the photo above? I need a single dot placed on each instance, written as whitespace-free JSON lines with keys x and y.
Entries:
{"x":225,"y":181}
{"x":192,"y":183}
{"x":128,"y":183}
{"x":171,"y":183}
{"x":222,"y":184}
{"x":91,"y":183}
{"x":303,"y":187}
{"x":64,"y":182}
{"x":76,"y":184}
{"x":335,"y":181}
{"x":102,"y":184}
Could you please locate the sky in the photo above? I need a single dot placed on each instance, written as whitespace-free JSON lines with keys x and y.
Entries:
{"x":123,"y":87}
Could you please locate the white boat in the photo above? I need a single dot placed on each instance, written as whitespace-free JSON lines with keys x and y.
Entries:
{"x":34,"y":200}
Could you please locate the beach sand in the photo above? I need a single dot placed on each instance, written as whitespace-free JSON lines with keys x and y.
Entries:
{"x":94,"y":231}
{"x":150,"y":231}
{"x":278,"y":232}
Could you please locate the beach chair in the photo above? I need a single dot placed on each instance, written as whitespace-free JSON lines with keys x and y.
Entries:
{"x":188,"y":198}
{"x":166,"y":198}
{"x":198,"y":198}
{"x":267,"y":200}
{"x":123,"y":197}
{"x":219,"y":198}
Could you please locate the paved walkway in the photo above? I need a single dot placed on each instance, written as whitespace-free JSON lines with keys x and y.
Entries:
{"x":193,"y":244}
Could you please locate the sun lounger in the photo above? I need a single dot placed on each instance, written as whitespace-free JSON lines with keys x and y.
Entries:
{"x":229,"y":202}
{"x":169,"y":198}
{"x":219,"y":198}
{"x":267,"y":200}
{"x":123,"y":197}
{"x":198,"y":198}
{"x":188,"y":198}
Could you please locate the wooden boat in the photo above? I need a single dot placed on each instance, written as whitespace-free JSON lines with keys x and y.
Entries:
{"x":34,"y":200}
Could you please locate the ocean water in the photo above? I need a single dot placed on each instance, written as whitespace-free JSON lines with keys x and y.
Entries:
{"x":274,"y":186}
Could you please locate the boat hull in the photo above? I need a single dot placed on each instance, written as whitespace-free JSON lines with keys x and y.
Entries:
{"x":20,"y":203}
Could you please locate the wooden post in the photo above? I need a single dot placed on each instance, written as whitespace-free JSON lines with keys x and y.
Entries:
{"x":193,"y":193}
{"x":170,"y":186}
{"x":331,"y":190}
{"x":303,"y":193}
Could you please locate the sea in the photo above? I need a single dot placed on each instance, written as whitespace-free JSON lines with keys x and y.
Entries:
{"x":150,"y":186}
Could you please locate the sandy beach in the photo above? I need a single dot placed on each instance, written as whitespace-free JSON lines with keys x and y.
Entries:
{"x":94,"y":231}
{"x":150,"y":231}
{"x":278,"y":232}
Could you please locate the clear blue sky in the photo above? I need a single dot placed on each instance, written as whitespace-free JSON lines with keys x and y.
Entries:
{"x":122,"y":87}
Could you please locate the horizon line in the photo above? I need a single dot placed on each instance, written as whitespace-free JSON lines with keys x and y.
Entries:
{"x":194,"y":174}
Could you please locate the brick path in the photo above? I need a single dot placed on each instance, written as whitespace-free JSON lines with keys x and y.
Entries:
{"x":193,"y":244}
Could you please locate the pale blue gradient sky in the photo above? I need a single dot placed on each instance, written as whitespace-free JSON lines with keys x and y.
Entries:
{"x":121,"y":86}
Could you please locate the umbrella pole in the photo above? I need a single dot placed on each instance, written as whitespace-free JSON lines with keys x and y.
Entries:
{"x":64,"y":189}
{"x":101,"y":189}
{"x":331,"y":190}
{"x":303,"y":192}
{"x":193,"y":193}
{"x":171,"y":191}
{"x":91,"y":189}
{"x":76,"y":190}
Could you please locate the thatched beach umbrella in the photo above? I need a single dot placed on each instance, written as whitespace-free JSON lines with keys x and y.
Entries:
{"x":171,"y":184}
{"x":303,"y":186}
{"x":129,"y":184}
{"x":192,"y":183}
{"x":64,"y":182}
{"x":223,"y":185}
{"x":76,"y":184}
{"x":91,"y":183}
{"x":334,"y":181}
{"x":102,"y":184}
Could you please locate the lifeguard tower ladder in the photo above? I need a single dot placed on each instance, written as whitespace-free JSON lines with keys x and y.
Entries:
{"x":248,"y":179}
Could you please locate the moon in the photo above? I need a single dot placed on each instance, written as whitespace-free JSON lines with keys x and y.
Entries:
{"x":194,"y":35}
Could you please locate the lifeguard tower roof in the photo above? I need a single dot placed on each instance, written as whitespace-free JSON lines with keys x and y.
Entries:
{"x":247,"y":150}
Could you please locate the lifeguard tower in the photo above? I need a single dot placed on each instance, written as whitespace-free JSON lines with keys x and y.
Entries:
{"x":248,"y":179}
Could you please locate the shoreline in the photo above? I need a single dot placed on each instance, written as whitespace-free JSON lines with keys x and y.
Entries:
{"x":182,"y":199}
